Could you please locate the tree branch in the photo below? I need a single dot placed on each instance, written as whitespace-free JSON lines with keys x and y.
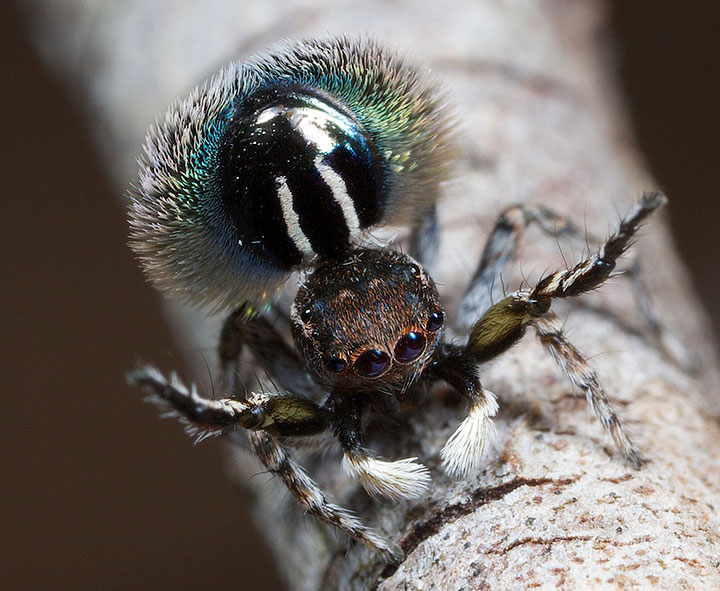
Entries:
{"x":543,"y":124}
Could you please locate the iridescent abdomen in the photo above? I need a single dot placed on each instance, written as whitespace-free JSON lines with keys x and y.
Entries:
{"x":284,"y":161}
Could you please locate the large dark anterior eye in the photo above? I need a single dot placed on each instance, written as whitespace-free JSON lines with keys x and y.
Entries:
{"x":372,"y":363}
{"x":335,"y":364}
{"x":435,"y":321}
{"x":409,"y":347}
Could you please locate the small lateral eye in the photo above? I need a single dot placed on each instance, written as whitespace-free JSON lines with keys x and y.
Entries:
{"x":435,"y":321}
{"x":372,"y":363}
{"x":306,"y":314}
{"x":335,"y":364}
{"x":409,"y":347}
{"x":415,"y":270}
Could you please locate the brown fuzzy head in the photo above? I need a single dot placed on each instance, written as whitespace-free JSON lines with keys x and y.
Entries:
{"x":370,"y":321}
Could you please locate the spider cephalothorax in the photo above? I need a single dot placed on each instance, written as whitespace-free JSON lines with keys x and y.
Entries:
{"x":282,"y":164}
{"x":369,"y":321}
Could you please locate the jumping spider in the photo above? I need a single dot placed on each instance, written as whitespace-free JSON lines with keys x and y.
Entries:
{"x":283,"y":163}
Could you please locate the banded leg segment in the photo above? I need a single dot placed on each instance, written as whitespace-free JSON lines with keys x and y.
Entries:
{"x":276,"y":459}
{"x":285,"y":415}
{"x":583,"y":377}
{"x":485,"y":285}
{"x":266,"y":416}
{"x":506,"y":322}
{"x":396,"y":480}
{"x":594,"y":271}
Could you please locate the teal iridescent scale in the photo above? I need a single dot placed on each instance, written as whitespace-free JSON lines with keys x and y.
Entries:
{"x":287,"y":159}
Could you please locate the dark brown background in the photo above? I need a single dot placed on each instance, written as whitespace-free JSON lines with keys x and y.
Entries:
{"x":95,"y":489}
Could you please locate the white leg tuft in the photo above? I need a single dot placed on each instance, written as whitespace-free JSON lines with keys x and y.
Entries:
{"x":467,"y":449}
{"x":402,"y":479}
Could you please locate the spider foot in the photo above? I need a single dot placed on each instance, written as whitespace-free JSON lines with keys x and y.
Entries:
{"x":398,"y":480}
{"x":468,"y":448}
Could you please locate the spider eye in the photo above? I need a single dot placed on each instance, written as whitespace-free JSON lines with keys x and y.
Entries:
{"x":305,"y":315}
{"x":372,"y":363}
{"x":335,"y":364}
{"x":409,"y":347}
{"x":435,"y":321}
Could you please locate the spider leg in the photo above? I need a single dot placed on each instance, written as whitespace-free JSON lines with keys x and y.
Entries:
{"x":486,"y":284}
{"x":506,"y":322}
{"x":283,"y":415}
{"x":425,"y":240}
{"x":276,"y":459}
{"x":468,"y":447}
{"x":583,"y":377}
{"x":246,"y":327}
{"x":396,"y":480}
{"x":267,"y":416}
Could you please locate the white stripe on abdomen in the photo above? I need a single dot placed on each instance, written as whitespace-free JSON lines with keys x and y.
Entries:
{"x":341,"y":196}
{"x":292,"y":220}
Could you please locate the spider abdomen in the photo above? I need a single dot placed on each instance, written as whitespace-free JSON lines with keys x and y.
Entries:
{"x":282,"y":161}
{"x":299,"y":177}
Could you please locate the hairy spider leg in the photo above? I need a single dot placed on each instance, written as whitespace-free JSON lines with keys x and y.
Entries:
{"x":396,"y":480}
{"x":500,"y":249}
{"x":309,"y":495}
{"x":486,"y":283}
{"x":266,"y":416}
{"x":468,"y":448}
{"x":583,"y":377}
{"x":505,"y":323}
{"x":247,"y":327}
{"x":281,"y":414}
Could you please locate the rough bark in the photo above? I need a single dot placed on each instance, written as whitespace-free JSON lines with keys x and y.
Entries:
{"x":543,"y":124}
